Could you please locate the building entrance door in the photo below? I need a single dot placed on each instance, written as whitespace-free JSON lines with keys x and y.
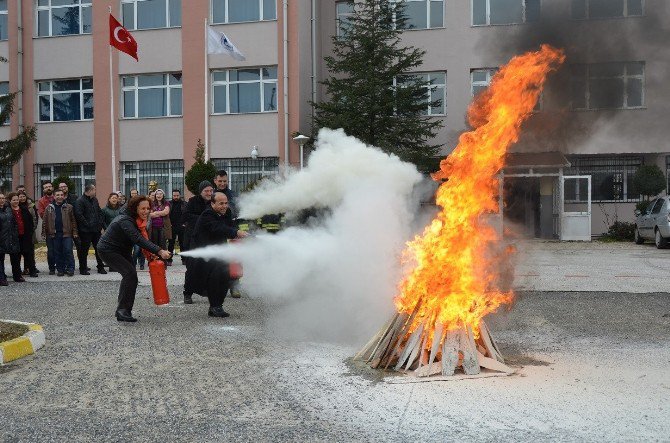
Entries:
{"x":576,"y":214}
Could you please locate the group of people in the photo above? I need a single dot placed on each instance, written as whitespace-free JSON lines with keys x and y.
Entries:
{"x":124,"y":234}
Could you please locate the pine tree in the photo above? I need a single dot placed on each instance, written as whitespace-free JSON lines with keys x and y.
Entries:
{"x":370,"y":92}
{"x":11,"y":150}
{"x":200,"y":171}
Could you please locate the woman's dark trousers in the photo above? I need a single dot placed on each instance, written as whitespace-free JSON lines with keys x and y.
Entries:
{"x":123,"y":264}
{"x":28,"y":252}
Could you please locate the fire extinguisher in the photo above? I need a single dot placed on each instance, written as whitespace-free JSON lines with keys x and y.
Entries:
{"x":235,"y":268}
{"x":159,"y":282}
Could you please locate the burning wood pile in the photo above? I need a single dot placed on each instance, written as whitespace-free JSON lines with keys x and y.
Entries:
{"x":455,"y":268}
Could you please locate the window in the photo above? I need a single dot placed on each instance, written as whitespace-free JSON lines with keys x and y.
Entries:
{"x":4,"y":91}
{"x":667,"y":173}
{"x":168,"y":173}
{"x":504,"y":12}
{"x":244,"y":171}
{"x":236,"y":11}
{"x":436,"y":94}
{"x":611,"y":177}
{"x":65,"y":100}
{"x":152,"y":95}
{"x":480,"y":79}
{"x":585,"y":9}
{"x":424,"y":14}
{"x":608,"y":86}
{"x":241,"y":91}
{"x":345,"y":11}
{"x":63,"y":17}
{"x":4,"y":31}
{"x":151,"y":14}
{"x":6,"y":179}
{"x":82,"y":174}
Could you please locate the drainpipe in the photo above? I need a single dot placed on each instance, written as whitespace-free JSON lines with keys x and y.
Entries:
{"x":313,"y":56}
{"x":19,"y":96}
{"x":286,"y":140}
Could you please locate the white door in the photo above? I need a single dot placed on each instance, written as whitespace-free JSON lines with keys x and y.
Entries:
{"x":576,"y":215}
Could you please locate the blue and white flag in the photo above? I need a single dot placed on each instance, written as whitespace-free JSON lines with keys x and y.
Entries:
{"x":218,"y":43}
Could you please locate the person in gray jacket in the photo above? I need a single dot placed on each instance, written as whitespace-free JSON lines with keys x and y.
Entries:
{"x":59,"y":224}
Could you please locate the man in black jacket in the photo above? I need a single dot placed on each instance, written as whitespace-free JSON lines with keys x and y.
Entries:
{"x":195,"y":206}
{"x":221,"y":183}
{"x":89,"y":223}
{"x":177,"y":209}
{"x":212,"y":278}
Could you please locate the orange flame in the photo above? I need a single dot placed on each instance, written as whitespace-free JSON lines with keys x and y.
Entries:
{"x":454,"y":276}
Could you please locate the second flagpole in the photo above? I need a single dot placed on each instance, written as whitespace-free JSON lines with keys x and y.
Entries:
{"x":111,"y":105}
{"x":206,"y":94}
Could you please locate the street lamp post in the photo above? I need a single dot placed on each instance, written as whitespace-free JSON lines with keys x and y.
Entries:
{"x":301,"y":140}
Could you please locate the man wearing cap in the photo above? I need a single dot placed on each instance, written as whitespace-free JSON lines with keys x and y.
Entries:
{"x":194,"y":208}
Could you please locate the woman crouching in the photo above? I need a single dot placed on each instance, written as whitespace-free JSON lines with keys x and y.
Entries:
{"x":116,"y":245}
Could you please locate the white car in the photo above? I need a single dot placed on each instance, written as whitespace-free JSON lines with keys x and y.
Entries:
{"x":654,"y":223}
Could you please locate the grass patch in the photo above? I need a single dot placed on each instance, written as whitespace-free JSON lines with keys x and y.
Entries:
{"x":9,"y":331}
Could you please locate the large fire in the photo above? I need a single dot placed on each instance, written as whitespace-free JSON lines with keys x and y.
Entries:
{"x":454,"y":275}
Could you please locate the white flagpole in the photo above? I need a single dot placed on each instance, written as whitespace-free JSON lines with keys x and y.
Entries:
{"x":111,"y":116}
{"x":206,"y":92}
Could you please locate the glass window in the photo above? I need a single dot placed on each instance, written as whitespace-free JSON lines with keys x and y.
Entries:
{"x":4,"y":90}
{"x":63,"y":17}
{"x":65,"y":100}
{"x":504,"y":12}
{"x":168,"y":173}
{"x":345,"y":11}
{"x":82,"y":174}
{"x":481,"y":79}
{"x":424,"y":14}
{"x":240,"y":91}
{"x":436,"y":92}
{"x":4,"y":32}
{"x":237,"y":11}
{"x":151,"y":14}
{"x":585,"y":9}
{"x":608,"y":85}
{"x":611,"y":177}
{"x":244,"y":171}
{"x":152,"y":95}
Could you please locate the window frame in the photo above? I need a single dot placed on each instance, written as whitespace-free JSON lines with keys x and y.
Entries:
{"x":4,"y":14}
{"x":625,"y":11}
{"x":81,"y":4}
{"x":50,"y":93}
{"x":428,"y":15}
{"x":490,"y":73}
{"x":623,"y":165}
{"x":228,"y":82}
{"x":143,"y":171}
{"x":339,"y":17}
{"x":168,"y":20}
{"x":430,"y":88}
{"x":136,"y":88}
{"x":242,"y":171}
{"x":5,"y":95}
{"x":78,"y":171}
{"x":488,"y":14}
{"x":261,"y":13}
{"x":626,"y":77}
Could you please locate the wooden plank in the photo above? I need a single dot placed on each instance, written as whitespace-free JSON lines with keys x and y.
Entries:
{"x":467,"y":347}
{"x":450,"y":353}
{"x":412,"y":342}
{"x":437,"y":341}
{"x":389,"y":333}
{"x":422,"y":351}
{"x":417,"y":349}
{"x":494,"y":365}
{"x":428,"y":370}
{"x":491,"y":349}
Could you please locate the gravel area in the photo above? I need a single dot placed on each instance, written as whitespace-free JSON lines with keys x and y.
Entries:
{"x":593,"y":366}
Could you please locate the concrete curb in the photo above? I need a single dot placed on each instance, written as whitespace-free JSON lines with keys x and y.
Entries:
{"x":22,"y":346}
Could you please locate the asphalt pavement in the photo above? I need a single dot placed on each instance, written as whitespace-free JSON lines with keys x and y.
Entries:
{"x":592,"y":366}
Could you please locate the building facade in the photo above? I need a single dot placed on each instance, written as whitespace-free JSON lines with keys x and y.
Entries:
{"x":604,"y":110}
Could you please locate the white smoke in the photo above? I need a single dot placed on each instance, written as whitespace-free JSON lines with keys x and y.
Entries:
{"x":334,"y":279}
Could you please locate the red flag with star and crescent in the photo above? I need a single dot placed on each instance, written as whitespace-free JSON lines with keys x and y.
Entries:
{"x":121,"y":39}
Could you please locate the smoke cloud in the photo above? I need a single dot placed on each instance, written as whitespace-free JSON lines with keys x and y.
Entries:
{"x":334,"y":278}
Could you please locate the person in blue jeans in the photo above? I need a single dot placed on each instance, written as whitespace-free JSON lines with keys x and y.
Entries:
{"x":59,"y":225}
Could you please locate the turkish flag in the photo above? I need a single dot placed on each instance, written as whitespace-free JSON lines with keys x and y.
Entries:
{"x":121,"y":39}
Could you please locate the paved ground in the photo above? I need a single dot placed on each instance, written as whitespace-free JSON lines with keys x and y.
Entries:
{"x":593,"y":367}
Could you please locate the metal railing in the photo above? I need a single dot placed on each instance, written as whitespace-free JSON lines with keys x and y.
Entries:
{"x":169,"y":174}
{"x":81,"y":174}
{"x":244,"y":171}
{"x":611,"y":177}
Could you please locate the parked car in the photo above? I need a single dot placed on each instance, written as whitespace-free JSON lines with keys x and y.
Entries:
{"x":654,"y":223}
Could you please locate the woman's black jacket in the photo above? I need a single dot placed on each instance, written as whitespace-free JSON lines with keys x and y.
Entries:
{"x":122,"y":234}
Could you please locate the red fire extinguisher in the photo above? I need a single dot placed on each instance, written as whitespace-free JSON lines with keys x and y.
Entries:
{"x":159,"y":282}
{"x":235,"y":268}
